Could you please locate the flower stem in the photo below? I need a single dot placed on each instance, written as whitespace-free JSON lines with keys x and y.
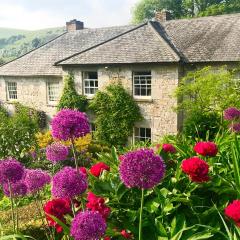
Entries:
{"x":12,"y":206}
{"x":140,"y":217}
{"x":74,"y":154}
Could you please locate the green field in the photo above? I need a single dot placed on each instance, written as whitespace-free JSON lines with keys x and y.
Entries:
{"x":16,"y":42}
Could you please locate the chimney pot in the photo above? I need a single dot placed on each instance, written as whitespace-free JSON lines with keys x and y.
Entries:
{"x":163,"y":16}
{"x":74,"y":25}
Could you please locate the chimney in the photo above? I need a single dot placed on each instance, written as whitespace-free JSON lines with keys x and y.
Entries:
{"x":74,"y":25}
{"x":163,"y":16}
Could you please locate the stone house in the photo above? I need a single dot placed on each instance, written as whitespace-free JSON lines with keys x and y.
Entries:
{"x":149,"y":59}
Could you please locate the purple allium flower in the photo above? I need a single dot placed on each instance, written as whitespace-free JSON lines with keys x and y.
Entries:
{"x":68,"y":183}
{"x":231,"y":114}
{"x":10,"y":170}
{"x":36,"y":179}
{"x":235,"y":127}
{"x":142,"y":169}
{"x":56,"y":152}
{"x":69,"y":124}
{"x":18,"y":189}
{"x":88,"y":225}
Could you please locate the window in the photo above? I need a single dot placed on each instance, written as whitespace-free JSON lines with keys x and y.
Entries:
{"x":142,"y":134}
{"x":90,"y":82}
{"x":12,"y":90}
{"x":142,"y":83}
{"x":53,"y":91}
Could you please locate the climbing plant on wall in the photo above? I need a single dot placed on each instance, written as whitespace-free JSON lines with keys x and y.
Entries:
{"x":116,"y":113}
{"x":70,"y":98}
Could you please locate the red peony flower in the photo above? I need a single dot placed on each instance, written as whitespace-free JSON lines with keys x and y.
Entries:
{"x":58,"y":208}
{"x":83,"y":170}
{"x":121,"y":157}
{"x":196,"y":168}
{"x":125,"y":234}
{"x":107,"y":238}
{"x":98,"y":204}
{"x":233,"y":211}
{"x":98,"y":168}
{"x":168,"y":148}
{"x":206,"y":149}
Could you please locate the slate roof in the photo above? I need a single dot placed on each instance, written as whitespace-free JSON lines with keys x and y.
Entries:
{"x":206,"y":39}
{"x":41,"y":61}
{"x":142,"y":44}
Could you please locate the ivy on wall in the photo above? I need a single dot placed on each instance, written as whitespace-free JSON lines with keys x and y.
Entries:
{"x":70,"y":98}
{"x":116,"y":113}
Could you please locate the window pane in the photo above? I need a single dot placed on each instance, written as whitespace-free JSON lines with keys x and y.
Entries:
{"x":142,"y":83}
{"x":53,"y":91}
{"x":12,"y":90}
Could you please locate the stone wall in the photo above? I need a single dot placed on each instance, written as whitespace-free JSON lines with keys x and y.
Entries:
{"x":31,"y":91}
{"x":158,"y":110}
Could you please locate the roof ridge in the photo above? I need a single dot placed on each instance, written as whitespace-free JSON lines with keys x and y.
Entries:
{"x":34,"y":49}
{"x":165,"y":40}
{"x":229,"y":15}
{"x":97,"y":45}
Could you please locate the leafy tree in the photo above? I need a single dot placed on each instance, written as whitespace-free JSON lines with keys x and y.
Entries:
{"x":70,"y":98}
{"x":204,"y":95}
{"x":116,"y":112}
{"x":1,"y":61}
{"x":145,"y":9}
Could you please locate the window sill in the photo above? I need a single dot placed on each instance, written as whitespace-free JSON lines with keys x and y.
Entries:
{"x":89,"y":97}
{"x":143,"y":99}
{"x":52,"y":104}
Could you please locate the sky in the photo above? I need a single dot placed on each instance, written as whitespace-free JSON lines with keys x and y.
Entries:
{"x":38,"y":14}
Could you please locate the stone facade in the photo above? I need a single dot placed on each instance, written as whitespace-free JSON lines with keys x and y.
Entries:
{"x":157,"y":110}
{"x":31,"y":91}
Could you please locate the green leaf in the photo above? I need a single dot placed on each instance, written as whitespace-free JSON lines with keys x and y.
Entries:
{"x":66,"y":229}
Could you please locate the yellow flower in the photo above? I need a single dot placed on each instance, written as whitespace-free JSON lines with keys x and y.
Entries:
{"x":44,"y":139}
{"x":81,"y":143}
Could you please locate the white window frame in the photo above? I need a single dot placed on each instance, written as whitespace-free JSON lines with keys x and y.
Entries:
{"x":12,"y":93}
{"x":53,"y":99}
{"x":138,"y":78}
{"x":145,"y":138}
{"x":89,"y":90}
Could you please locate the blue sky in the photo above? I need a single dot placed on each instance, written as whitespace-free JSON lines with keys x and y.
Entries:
{"x":37,"y":14}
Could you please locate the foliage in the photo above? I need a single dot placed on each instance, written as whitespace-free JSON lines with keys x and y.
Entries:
{"x":70,"y":98}
{"x":145,"y":9}
{"x":17,"y":134}
{"x":202,"y":125}
{"x":203,"y":95}
{"x":116,"y":112}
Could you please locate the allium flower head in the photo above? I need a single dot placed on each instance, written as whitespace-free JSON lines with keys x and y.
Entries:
{"x":10,"y":170}
{"x":235,"y":127}
{"x":98,"y":168}
{"x":231,"y":114}
{"x":18,"y":189}
{"x":88,"y":226}
{"x":233,"y":211}
{"x":68,"y":183}
{"x":69,"y":124}
{"x":196,"y":168}
{"x":36,"y":179}
{"x":57,"y":208}
{"x":206,"y":149}
{"x":142,"y":169}
{"x":168,"y":148}
{"x":56,"y":152}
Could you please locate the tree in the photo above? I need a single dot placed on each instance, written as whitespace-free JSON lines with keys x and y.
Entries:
{"x":145,"y":9}
{"x":203,"y":96}
{"x":1,"y":61}
{"x":70,"y":98}
{"x":116,"y":113}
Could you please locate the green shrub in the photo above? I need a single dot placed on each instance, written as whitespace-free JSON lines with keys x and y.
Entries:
{"x":116,"y":113}
{"x":70,"y":98}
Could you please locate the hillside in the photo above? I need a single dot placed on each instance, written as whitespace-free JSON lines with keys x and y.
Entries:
{"x":16,"y":42}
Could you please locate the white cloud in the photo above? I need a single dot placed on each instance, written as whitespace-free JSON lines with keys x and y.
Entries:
{"x":96,"y":13}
